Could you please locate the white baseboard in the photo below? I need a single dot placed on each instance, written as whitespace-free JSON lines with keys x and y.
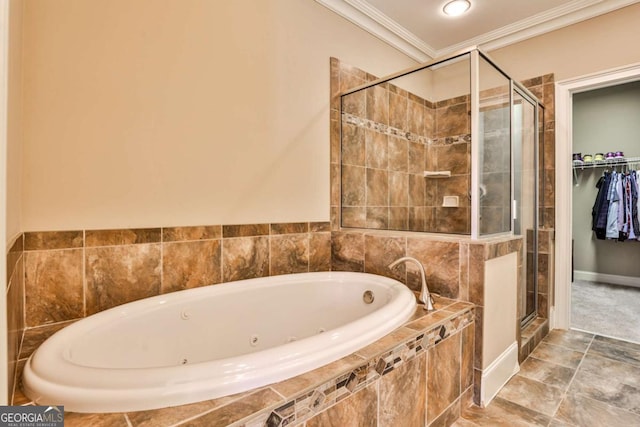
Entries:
{"x":613,"y":279}
{"x":496,"y":375}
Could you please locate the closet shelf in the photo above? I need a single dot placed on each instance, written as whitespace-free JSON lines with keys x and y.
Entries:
{"x":608,"y":163}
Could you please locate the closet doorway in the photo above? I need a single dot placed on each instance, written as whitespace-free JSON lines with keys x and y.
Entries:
{"x":597,"y":280}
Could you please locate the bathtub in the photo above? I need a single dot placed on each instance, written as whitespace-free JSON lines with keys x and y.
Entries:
{"x":213,"y":341}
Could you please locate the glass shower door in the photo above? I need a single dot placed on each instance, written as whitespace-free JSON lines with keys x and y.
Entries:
{"x":525,"y":198}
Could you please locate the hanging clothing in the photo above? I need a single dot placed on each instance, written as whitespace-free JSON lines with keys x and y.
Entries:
{"x":615,"y":213}
{"x":601,"y":207}
{"x":614,"y":204}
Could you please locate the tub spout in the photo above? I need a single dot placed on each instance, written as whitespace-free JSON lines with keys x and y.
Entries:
{"x":425,"y":296}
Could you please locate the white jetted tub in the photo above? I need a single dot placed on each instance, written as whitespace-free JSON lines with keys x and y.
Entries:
{"x":213,"y":341}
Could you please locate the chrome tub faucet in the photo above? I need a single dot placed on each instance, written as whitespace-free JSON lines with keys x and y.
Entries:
{"x":425,"y":296}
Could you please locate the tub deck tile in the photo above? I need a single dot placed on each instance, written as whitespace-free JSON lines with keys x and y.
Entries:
{"x":74,"y":419}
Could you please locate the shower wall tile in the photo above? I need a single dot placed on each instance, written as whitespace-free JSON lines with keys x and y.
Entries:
{"x":377,"y":154}
{"x":452,"y":120}
{"x":377,"y":187}
{"x":191,"y":264}
{"x":417,"y":160}
{"x":455,"y":158}
{"x":378,"y":104}
{"x":353,"y":145}
{"x":354,"y":217}
{"x":452,"y":220}
{"x":53,"y":286}
{"x":398,"y":218}
{"x":416,"y":116}
{"x":398,"y":105}
{"x":398,"y":189}
{"x":398,"y":154}
{"x":122,"y":237}
{"x":377,"y":217}
{"x":245,"y":258}
{"x":119,"y":274}
{"x":354,"y":188}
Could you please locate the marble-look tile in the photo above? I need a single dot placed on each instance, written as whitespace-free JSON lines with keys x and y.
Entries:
{"x":245,"y":258}
{"x":289,"y":254}
{"x":192,"y":264}
{"x":415,"y":116}
{"x":466,"y":367}
{"x":237,"y":410}
{"x":429,"y":320}
{"x":289,"y":228}
{"x":74,"y":419}
{"x":34,"y":241}
{"x":547,"y":372}
{"x":502,"y":413}
{"x":398,"y":189}
{"x":377,"y":187}
{"x":398,"y":154}
{"x":417,"y":158}
{"x":33,"y":337}
{"x":179,"y":234}
{"x":320,"y":251}
{"x":417,"y":219}
{"x":319,"y":226}
{"x":455,"y":158}
{"x":353,"y":145}
{"x":452,"y":120}
{"x":398,"y":218}
{"x":335,"y":185}
{"x":607,"y":390}
{"x":245,"y":230}
{"x":383,"y":344}
{"x":15,"y":317}
{"x":443,"y":375}
{"x":293,"y":386}
{"x":449,"y":416}
{"x":616,"y":352}
{"x":559,"y":355}
{"x":416,"y":190}
{"x":168,"y":416}
{"x":358,"y":410}
{"x":377,"y":218}
{"x":354,"y":103}
{"x":532,"y":394}
{"x":380,"y":252}
{"x":442,"y":264}
{"x":354,"y":184}
{"x":403,"y":395}
{"x":617,"y":343}
{"x":584,"y":412}
{"x":119,"y":274}
{"x":574,"y":340}
{"x":612,"y":369}
{"x":378,"y":104}
{"x":377,"y":149}
{"x":53,"y":286}
{"x":122,"y":237}
{"x":461,"y":422}
{"x":354,"y":217}
{"x":347,"y":251}
{"x":453,"y":220}
{"x":398,"y":110}
{"x":19,"y":398}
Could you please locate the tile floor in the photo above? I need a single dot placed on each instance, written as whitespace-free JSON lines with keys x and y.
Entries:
{"x":571,"y":379}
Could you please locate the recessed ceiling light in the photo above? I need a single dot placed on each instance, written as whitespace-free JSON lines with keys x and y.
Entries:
{"x":456,"y":7}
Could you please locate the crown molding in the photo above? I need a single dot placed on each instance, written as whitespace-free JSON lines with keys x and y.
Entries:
{"x":367,"y":17}
{"x":375,"y":22}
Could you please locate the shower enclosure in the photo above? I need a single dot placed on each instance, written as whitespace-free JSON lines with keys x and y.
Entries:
{"x":449,"y":146}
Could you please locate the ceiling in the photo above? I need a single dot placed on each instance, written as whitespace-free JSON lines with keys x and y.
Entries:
{"x":420,"y":29}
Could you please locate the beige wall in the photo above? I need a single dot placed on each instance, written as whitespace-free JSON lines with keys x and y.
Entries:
{"x":14,"y":123}
{"x":182,"y":112}
{"x":597,"y":44}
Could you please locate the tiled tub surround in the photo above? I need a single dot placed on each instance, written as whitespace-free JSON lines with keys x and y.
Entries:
{"x":419,"y":375}
{"x":58,"y":277}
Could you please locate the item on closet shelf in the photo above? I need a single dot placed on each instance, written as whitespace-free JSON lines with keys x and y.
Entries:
{"x":610,"y":156}
{"x":619,"y":155}
{"x":587,"y":158}
{"x":599,"y":158}
{"x":577,"y":159}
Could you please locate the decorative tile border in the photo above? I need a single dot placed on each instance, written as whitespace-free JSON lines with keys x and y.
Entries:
{"x":312,"y":402}
{"x":382,"y":128}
